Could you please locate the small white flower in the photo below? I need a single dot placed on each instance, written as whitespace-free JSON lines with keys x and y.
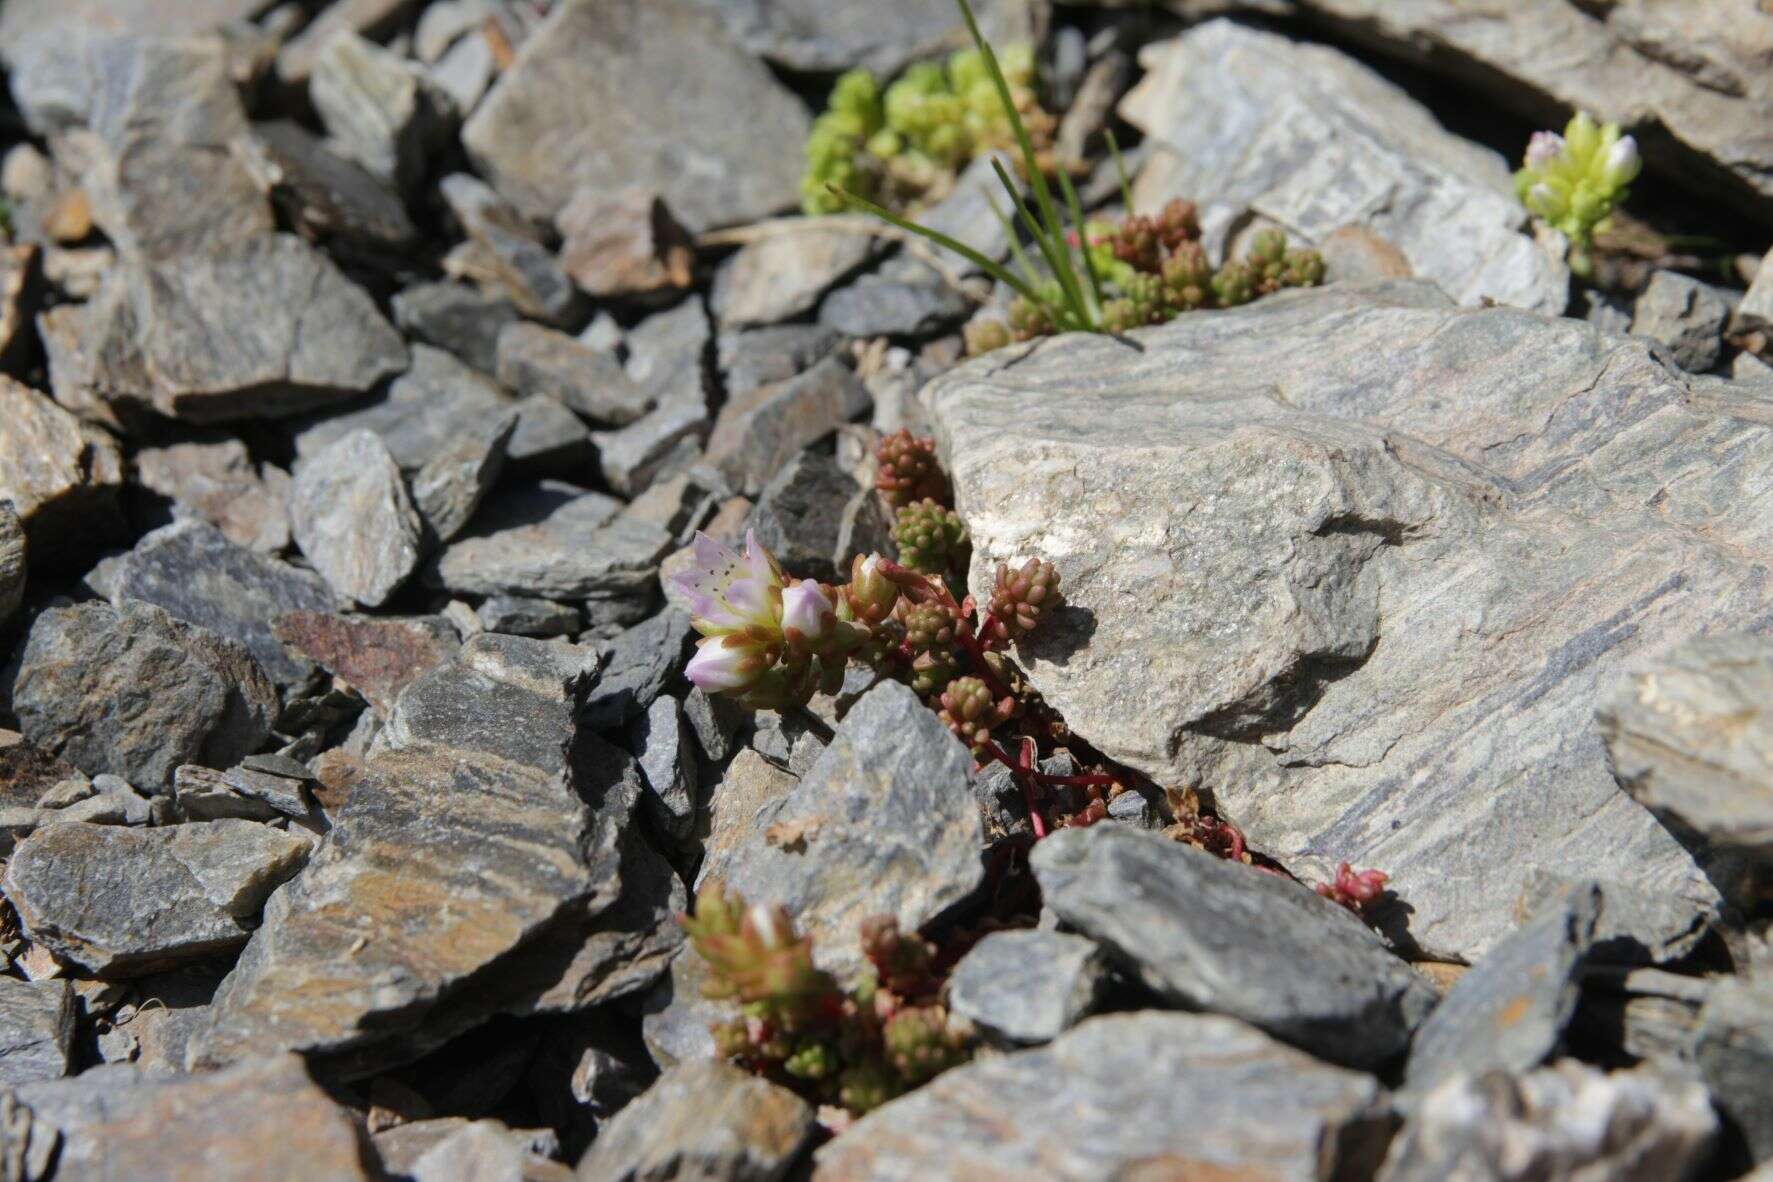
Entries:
{"x":1623,"y":162}
{"x":806,"y":610}
{"x":1544,"y":148}
{"x":729,"y":593}
{"x":1542,"y":199}
{"x":724,"y":663}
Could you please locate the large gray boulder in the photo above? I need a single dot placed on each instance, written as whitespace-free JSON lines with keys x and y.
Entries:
{"x":1309,"y":138}
{"x":598,"y":99}
{"x":1691,"y":74}
{"x":1355,"y":560}
{"x":1141,"y":1095}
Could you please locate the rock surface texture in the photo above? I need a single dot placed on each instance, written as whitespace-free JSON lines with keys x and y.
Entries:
{"x":1354,"y":561}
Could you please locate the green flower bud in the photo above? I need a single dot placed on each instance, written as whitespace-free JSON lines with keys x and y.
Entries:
{"x":931,"y":539}
{"x":1234,"y":284}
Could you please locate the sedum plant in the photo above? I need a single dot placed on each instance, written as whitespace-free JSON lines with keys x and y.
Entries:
{"x":1574,"y":181}
{"x":905,"y":146}
{"x":856,"y":1047}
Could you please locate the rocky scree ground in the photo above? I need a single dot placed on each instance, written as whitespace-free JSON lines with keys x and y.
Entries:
{"x":368,"y":367}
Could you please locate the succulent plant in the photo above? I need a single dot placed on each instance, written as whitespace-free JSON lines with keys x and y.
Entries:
{"x":1574,"y":181}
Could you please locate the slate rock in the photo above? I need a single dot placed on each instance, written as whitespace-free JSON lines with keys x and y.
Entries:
{"x":668,"y":353}
{"x":664,"y":746}
{"x":160,"y":18}
{"x":510,"y":696}
{"x":442,"y":863}
{"x":323,"y":193}
{"x":1023,"y":988}
{"x":262,"y":1118}
{"x":763,"y":356}
{"x":195,"y":574}
{"x":378,"y":108}
{"x":1312,"y":140}
{"x":20,"y":295}
{"x":1735,"y":1054}
{"x":716,"y":723}
{"x":204,"y":795}
{"x":261,"y":330}
{"x":1509,"y":1011}
{"x":535,"y":360}
{"x":1214,"y":935}
{"x":152,"y":155}
{"x":1690,"y":736}
{"x":215,"y":480}
{"x":61,"y":476}
{"x":903,"y":299}
{"x":1233,"y":1103}
{"x":508,"y":253}
{"x":642,"y":662}
{"x":12,"y":563}
{"x":624,"y":245}
{"x":123,"y":902}
{"x":800,"y":515}
{"x":596,"y":100}
{"x":1568,"y":1120}
{"x":704,"y":1120}
{"x":757,"y":434}
{"x":1633,"y":926}
{"x":784,"y":273}
{"x":456,"y":317}
{"x":1373,"y":622}
{"x":484,"y":1149}
{"x":832,"y":35}
{"x":354,"y":519}
{"x":451,"y":486}
{"x":1755,"y":311}
{"x":1692,"y":73}
{"x":552,"y":540}
{"x":1685,"y":316}
{"x":666,"y":439}
{"x":524,"y":616}
{"x":132,"y":691}
{"x":37,"y":1021}
{"x":376,"y":657}
{"x":371,"y":19}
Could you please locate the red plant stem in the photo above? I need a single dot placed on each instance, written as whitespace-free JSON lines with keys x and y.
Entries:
{"x":1027,"y":777}
{"x":1088,"y":780}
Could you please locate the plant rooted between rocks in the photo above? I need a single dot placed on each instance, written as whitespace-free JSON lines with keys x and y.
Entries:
{"x":1573,"y":182}
{"x":855,"y":1048}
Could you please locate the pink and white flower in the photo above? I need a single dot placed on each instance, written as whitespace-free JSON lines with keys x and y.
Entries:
{"x":1544,"y":148}
{"x":731,"y":593}
{"x":725,"y":662}
{"x":1623,"y":163}
{"x":807,"y":615}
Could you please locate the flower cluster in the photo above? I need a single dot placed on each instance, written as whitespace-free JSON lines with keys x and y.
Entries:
{"x":1574,"y":181}
{"x":1354,"y":889}
{"x":1153,"y":269}
{"x":856,"y":1048}
{"x":904,"y":147}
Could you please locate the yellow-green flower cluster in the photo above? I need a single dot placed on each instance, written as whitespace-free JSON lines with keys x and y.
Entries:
{"x":915,"y":136}
{"x":1573,"y":181}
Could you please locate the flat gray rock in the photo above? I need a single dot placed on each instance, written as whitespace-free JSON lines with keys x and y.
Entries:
{"x":379,"y":109}
{"x":1735,"y":1055}
{"x":62,"y":477}
{"x":1691,"y":72}
{"x":216,"y":481}
{"x":326,"y":194}
{"x":783,"y":274}
{"x":132,"y":691}
{"x":704,"y":1120}
{"x":146,"y":123}
{"x":428,"y":411}
{"x":551,"y":540}
{"x":642,"y":662}
{"x":1508,"y":1011}
{"x":12,"y":563}
{"x":519,"y":615}
{"x":1372,"y":622}
{"x":758,"y":433}
{"x":455,"y":316}
{"x":1685,"y":316}
{"x":667,"y":439}
{"x":37,"y":1020}
{"x":1690,"y":736}
{"x":1512,"y":1128}
{"x":763,"y":356}
{"x":1313,"y":140}
{"x":263,"y":329}
{"x":451,"y":486}
{"x":160,"y":18}
{"x":831,"y":35}
{"x":378,"y":657}
{"x":1219,"y":936}
{"x":536,"y":360}
{"x":664,"y":746}
{"x":904,"y":298}
{"x":1029,"y":987}
{"x":508,"y":253}
{"x":354,"y":519}
{"x":596,"y":100}
{"x":1232,"y":1103}
{"x":196,"y":575}
{"x":122,"y":902}
{"x":624,"y":245}
{"x":799,"y":516}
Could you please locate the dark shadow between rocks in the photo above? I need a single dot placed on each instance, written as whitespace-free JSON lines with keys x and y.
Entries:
{"x":1071,"y":630}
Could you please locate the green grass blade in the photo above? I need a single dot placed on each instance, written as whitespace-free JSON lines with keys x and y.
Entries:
{"x":1016,"y":252}
{"x":990,"y":266}
{"x":1052,"y":249}
{"x":1120,"y":168}
{"x":1083,"y":243}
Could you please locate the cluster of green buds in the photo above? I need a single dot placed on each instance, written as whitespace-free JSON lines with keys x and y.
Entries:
{"x":1154,"y":268}
{"x":1574,"y":181}
{"x":857,"y":1047}
{"x":907,"y":144}
{"x":906,"y":470}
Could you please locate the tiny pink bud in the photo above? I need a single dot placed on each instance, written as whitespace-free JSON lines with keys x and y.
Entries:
{"x":724,"y":663}
{"x":1544,"y":148}
{"x":806,"y":610}
{"x":1623,"y":162}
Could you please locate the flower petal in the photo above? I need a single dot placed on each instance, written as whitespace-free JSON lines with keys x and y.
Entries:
{"x":722,"y":663}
